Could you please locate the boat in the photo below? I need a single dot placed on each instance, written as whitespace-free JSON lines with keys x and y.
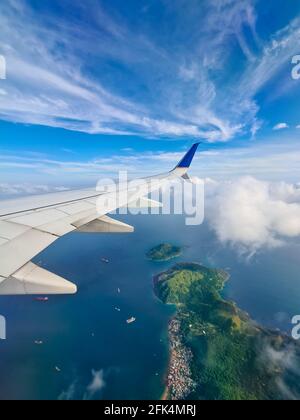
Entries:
{"x":38,"y":342}
{"x":105,"y":260}
{"x":41,"y":299}
{"x":131,"y":320}
{"x":57,"y":369}
{"x":117,"y":309}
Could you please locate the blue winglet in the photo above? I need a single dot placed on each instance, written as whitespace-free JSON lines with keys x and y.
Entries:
{"x":188,"y":158}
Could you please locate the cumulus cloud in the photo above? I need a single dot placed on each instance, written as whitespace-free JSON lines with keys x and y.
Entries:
{"x":280,"y":126}
{"x":285,"y":362}
{"x":253,"y":214}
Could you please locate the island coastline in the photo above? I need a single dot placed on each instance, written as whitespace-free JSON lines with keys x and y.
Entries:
{"x":164,"y":252}
{"x":181,"y":342}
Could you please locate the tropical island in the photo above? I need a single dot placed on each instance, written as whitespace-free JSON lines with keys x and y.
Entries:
{"x":164,"y":252}
{"x":216,"y":351}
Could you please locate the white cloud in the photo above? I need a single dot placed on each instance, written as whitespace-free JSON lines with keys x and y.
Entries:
{"x":274,"y":56}
{"x":51,"y":81}
{"x":70,"y":393}
{"x":49,"y":89}
{"x":188,"y":73}
{"x":97,"y":384}
{"x":252,"y":214}
{"x":27,"y":189}
{"x":280,"y":126}
{"x":269,"y":162}
{"x":256,"y":126}
{"x":285,"y":363}
{"x":78,"y":391}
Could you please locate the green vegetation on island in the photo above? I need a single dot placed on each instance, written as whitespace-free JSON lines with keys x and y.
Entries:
{"x":217,"y":352}
{"x":164,"y":252}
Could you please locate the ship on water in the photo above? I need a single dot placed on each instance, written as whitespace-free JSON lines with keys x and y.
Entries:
{"x":131,"y":320}
{"x":41,"y":299}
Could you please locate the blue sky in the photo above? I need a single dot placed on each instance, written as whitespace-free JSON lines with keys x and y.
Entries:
{"x":101,"y":85}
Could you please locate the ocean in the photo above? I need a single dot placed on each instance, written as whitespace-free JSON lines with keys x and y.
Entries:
{"x":89,"y":351}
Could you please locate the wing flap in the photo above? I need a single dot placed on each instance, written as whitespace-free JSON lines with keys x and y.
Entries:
{"x":34,"y":280}
{"x":17,"y":252}
{"x":11,"y":286}
{"x":10,"y":230}
{"x":78,"y":207}
{"x":38,"y":218}
{"x":106,"y":224}
{"x":58,"y":228}
{"x":86,"y":219}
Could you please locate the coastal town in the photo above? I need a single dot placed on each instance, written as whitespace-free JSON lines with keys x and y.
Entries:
{"x":179,"y":381}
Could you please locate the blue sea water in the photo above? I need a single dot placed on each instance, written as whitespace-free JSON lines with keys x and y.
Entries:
{"x":85,"y":337}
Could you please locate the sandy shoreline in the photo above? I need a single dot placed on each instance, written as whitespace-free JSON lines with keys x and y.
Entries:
{"x":165,"y":395}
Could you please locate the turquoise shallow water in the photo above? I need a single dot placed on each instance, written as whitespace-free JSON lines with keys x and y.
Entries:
{"x":84,"y":333}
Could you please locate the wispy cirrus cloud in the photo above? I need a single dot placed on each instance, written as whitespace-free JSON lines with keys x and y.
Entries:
{"x":95,"y":71}
{"x":47,"y":84}
{"x":40,"y":172}
{"x":9,"y":189}
{"x":77,"y":390}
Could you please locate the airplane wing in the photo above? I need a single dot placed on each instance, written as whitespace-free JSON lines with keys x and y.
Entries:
{"x":29,"y":225}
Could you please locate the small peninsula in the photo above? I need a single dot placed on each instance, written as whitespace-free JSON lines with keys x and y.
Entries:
{"x":216,"y":351}
{"x":164,"y":252}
